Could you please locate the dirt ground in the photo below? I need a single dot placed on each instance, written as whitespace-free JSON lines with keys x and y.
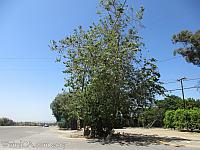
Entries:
{"x":186,"y":139}
{"x":143,"y":136}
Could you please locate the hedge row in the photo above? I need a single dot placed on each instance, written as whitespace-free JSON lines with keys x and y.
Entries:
{"x":183,"y":119}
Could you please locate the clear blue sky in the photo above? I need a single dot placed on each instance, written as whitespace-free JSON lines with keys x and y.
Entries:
{"x":29,"y":77}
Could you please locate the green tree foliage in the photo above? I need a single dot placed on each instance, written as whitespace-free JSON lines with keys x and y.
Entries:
{"x":173,"y":102}
{"x":6,"y":122}
{"x":191,"y":46}
{"x":63,"y":124}
{"x":170,"y":102}
{"x":192,"y":103}
{"x":60,"y":106}
{"x":66,"y":108}
{"x":150,"y":117}
{"x":154,"y":115}
{"x":106,"y":72}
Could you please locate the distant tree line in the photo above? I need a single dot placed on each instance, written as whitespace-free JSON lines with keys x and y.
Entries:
{"x":33,"y":123}
{"x":6,"y":122}
{"x":155,"y":115}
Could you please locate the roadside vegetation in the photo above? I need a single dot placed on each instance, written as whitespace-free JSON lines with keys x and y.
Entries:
{"x":183,"y":119}
{"x":163,"y":109}
{"x":160,"y":114}
{"x":109,"y":83}
{"x":107,"y":75}
{"x":9,"y":122}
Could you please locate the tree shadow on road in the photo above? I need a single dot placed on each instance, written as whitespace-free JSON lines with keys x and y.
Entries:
{"x":136,"y":139}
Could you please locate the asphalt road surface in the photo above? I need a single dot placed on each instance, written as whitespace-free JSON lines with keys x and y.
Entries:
{"x":41,"y":138}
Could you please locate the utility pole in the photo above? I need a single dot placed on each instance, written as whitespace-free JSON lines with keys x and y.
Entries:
{"x":183,"y":97}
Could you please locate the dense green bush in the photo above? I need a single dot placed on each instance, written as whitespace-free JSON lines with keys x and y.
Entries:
{"x":183,"y":119}
{"x":169,"y":119}
{"x":195,"y":118}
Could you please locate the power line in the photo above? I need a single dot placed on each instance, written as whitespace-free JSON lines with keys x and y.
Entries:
{"x":188,"y":79}
{"x":170,"y":82}
{"x":192,"y":79}
{"x":168,"y":59}
{"x":187,"y":88}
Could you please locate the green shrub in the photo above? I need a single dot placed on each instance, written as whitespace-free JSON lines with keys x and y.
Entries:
{"x":169,"y":119}
{"x":183,"y":119}
{"x":195,"y":119}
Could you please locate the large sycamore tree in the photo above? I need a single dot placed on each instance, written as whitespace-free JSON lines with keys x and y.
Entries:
{"x":106,"y":70}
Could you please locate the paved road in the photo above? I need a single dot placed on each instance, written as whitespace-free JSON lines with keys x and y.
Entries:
{"x":40,"y":138}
